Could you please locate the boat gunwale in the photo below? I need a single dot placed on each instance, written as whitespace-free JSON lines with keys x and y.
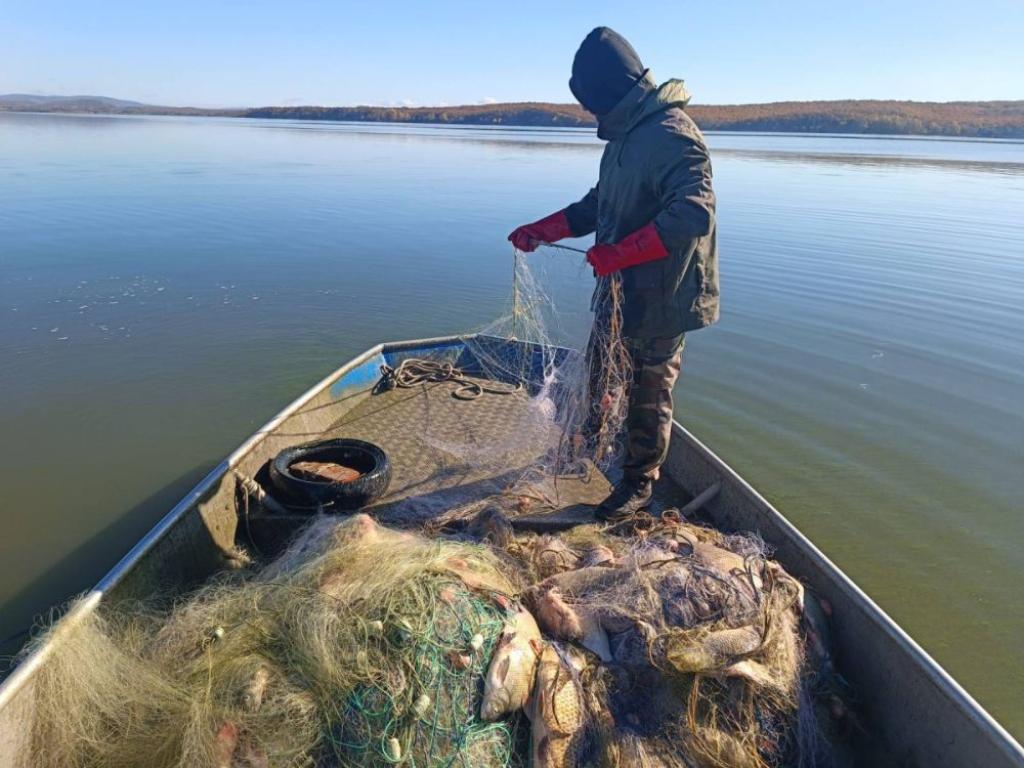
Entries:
{"x":22,"y":673}
{"x":934,"y":673}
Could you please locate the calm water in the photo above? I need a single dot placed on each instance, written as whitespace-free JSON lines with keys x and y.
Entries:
{"x":167,"y":284}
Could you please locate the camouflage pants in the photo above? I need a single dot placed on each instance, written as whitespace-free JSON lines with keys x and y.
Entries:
{"x":655,"y":364}
{"x":649,"y":420}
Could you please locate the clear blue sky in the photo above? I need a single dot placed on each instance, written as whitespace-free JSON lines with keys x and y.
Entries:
{"x":209,"y":53}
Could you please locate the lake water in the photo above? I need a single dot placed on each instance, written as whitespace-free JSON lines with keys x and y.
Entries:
{"x":167,"y":284}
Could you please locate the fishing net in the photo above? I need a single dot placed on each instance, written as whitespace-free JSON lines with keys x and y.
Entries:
{"x":359,"y":646}
{"x":367,"y":646}
{"x":697,"y":639}
{"x":571,"y":405}
{"x":576,"y":403}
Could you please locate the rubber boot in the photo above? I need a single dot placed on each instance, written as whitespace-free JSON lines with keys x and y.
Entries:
{"x":630,"y":495}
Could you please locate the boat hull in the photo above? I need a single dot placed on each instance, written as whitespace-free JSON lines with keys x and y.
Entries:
{"x":918,"y":714}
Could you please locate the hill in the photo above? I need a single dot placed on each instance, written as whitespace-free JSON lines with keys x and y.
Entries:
{"x":994,"y":119}
{"x":1002,"y":119}
{"x":100,"y":105}
{"x":26,"y":101}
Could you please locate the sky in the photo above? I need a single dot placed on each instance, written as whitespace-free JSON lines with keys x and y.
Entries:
{"x":231,"y":54}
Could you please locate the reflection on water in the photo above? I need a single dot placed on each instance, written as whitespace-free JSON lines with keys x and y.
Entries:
{"x":167,"y":284}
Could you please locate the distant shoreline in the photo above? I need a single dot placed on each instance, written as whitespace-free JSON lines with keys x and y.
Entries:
{"x":981,"y":119}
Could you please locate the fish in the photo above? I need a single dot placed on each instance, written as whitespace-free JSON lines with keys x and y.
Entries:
{"x":594,"y":637}
{"x":224,"y":744}
{"x":558,"y":618}
{"x":556,"y":710}
{"x":492,"y":525}
{"x":598,"y":555}
{"x":513,"y":666}
{"x":358,"y":528}
{"x":553,"y":556}
{"x":713,"y":650}
{"x":568,"y":622}
{"x":586,"y":581}
{"x":730,"y":564}
{"x":252,"y":696}
{"x":756,"y":674}
{"x":815,"y":623}
{"x":713,"y":747}
{"x":634,"y":751}
{"x":632,"y":648}
{"x":649,"y":555}
{"x":474,"y":572}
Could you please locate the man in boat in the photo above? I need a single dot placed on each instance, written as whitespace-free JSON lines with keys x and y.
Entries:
{"x":653,"y":212}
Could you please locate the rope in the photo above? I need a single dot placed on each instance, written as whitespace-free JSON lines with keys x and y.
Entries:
{"x":563,"y":247}
{"x":412,"y":372}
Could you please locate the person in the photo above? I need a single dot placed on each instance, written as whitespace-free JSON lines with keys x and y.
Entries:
{"x":653,"y":215}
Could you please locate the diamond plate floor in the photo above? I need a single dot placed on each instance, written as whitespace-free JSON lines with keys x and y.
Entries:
{"x":447,"y":452}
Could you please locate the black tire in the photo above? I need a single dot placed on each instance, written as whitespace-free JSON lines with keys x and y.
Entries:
{"x":369,"y":459}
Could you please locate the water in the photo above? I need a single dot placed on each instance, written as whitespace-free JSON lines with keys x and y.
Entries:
{"x":167,"y":284}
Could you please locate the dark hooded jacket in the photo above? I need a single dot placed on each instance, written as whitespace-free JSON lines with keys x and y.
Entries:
{"x":656,"y":168}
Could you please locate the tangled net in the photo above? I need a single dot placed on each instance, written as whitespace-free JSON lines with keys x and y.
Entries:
{"x":697,"y":636}
{"x":578,"y":404}
{"x":358,"y":647}
{"x":364,"y":646}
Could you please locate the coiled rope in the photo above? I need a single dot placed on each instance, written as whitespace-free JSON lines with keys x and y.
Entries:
{"x":412,"y":372}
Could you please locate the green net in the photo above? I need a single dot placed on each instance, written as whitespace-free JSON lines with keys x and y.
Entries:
{"x":424,"y":713}
{"x":359,"y":646}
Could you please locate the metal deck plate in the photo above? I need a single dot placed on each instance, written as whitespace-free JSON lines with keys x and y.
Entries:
{"x":448,"y":453}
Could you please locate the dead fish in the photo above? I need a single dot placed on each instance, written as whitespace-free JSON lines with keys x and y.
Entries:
{"x":778,"y":574}
{"x":649,"y":556}
{"x":599,"y":555}
{"x":473,"y":575}
{"x":556,"y":710}
{"x":632,"y":648}
{"x":513,"y":667}
{"x":358,"y":528}
{"x":815,"y":624}
{"x":712,"y":651}
{"x":756,"y":674}
{"x":713,"y":747}
{"x":726,"y":562}
{"x":594,"y":637}
{"x":567,"y":622}
{"x":552,"y":556}
{"x":224,"y":744}
{"x":586,"y":581}
{"x":252,"y":696}
{"x":493,"y":526}
{"x":557,"y":617}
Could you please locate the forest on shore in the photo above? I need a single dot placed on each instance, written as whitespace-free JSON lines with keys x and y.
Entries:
{"x":992,"y":119}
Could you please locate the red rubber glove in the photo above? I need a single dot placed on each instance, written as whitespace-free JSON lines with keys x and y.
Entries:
{"x":547,"y":230}
{"x":638,"y":248}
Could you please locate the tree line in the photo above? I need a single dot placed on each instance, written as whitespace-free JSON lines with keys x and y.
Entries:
{"x":996,"y":119}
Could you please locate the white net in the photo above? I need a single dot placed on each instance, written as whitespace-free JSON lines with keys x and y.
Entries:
{"x":574,"y":368}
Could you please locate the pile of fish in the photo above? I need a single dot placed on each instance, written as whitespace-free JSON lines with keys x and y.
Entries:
{"x":681,"y":647}
{"x":361,"y":645}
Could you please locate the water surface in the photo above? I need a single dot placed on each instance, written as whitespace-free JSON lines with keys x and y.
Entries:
{"x":167,"y":284}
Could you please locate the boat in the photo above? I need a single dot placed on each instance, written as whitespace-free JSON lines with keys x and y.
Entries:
{"x":914,"y":713}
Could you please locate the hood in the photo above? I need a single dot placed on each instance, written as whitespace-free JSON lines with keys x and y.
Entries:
{"x":642,"y":101}
{"x":604,"y":70}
